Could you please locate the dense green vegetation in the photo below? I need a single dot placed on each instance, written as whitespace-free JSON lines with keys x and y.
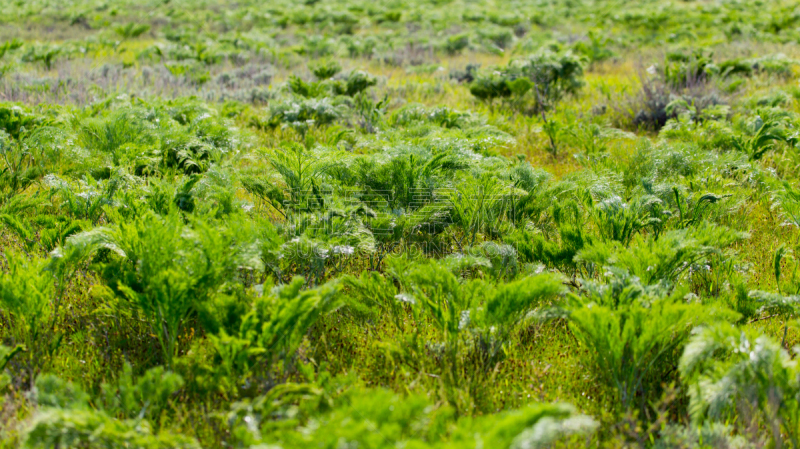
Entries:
{"x":419,"y":224}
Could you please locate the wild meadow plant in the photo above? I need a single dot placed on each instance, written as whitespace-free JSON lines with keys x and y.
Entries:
{"x":365,"y":224}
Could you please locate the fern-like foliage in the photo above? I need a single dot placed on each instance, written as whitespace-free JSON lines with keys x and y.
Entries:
{"x":27,"y":300}
{"x":64,"y":419}
{"x":164,"y":270}
{"x":478,"y":206}
{"x":378,"y":418}
{"x":730,"y":369}
{"x":273,"y":328}
{"x":767,"y":132}
{"x":664,"y":260}
{"x":788,"y":199}
{"x":618,"y":221}
{"x":301,"y":169}
{"x":633,"y":333}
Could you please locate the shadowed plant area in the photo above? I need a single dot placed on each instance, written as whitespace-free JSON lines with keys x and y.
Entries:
{"x":399,"y":224}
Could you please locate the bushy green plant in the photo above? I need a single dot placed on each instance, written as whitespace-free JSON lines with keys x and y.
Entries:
{"x":306,"y":89}
{"x":145,"y":397}
{"x":664,"y":260}
{"x":271,"y":331}
{"x":633,"y":333}
{"x":547,"y":77}
{"x":477,"y":206}
{"x":326,"y":70}
{"x":301,"y":169}
{"x":788,"y":198}
{"x":379,"y":418}
{"x":20,"y":166}
{"x":131,"y":30}
{"x":46,"y":54}
{"x":474,"y":319}
{"x":682,"y":69}
{"x":406,"y":180}
{"x":617,"y":221}
{"x":456,"y":43}
{"x":766,"y":133}
{"x":27,"y":301}
{"x":64,"y":419}
{"x":6,"y":355}
{"x":303,"y":113}
{"x":164,"y":271}
{"x":17,"y":122}
{"x":595,"y":47}
{"x":567,"y":219}
{"x":732,"y":371}
{"x":355,"y":83}
{"x":709,"y":435}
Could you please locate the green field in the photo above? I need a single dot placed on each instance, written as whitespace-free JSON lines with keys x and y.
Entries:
{"x":355,"y":224}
